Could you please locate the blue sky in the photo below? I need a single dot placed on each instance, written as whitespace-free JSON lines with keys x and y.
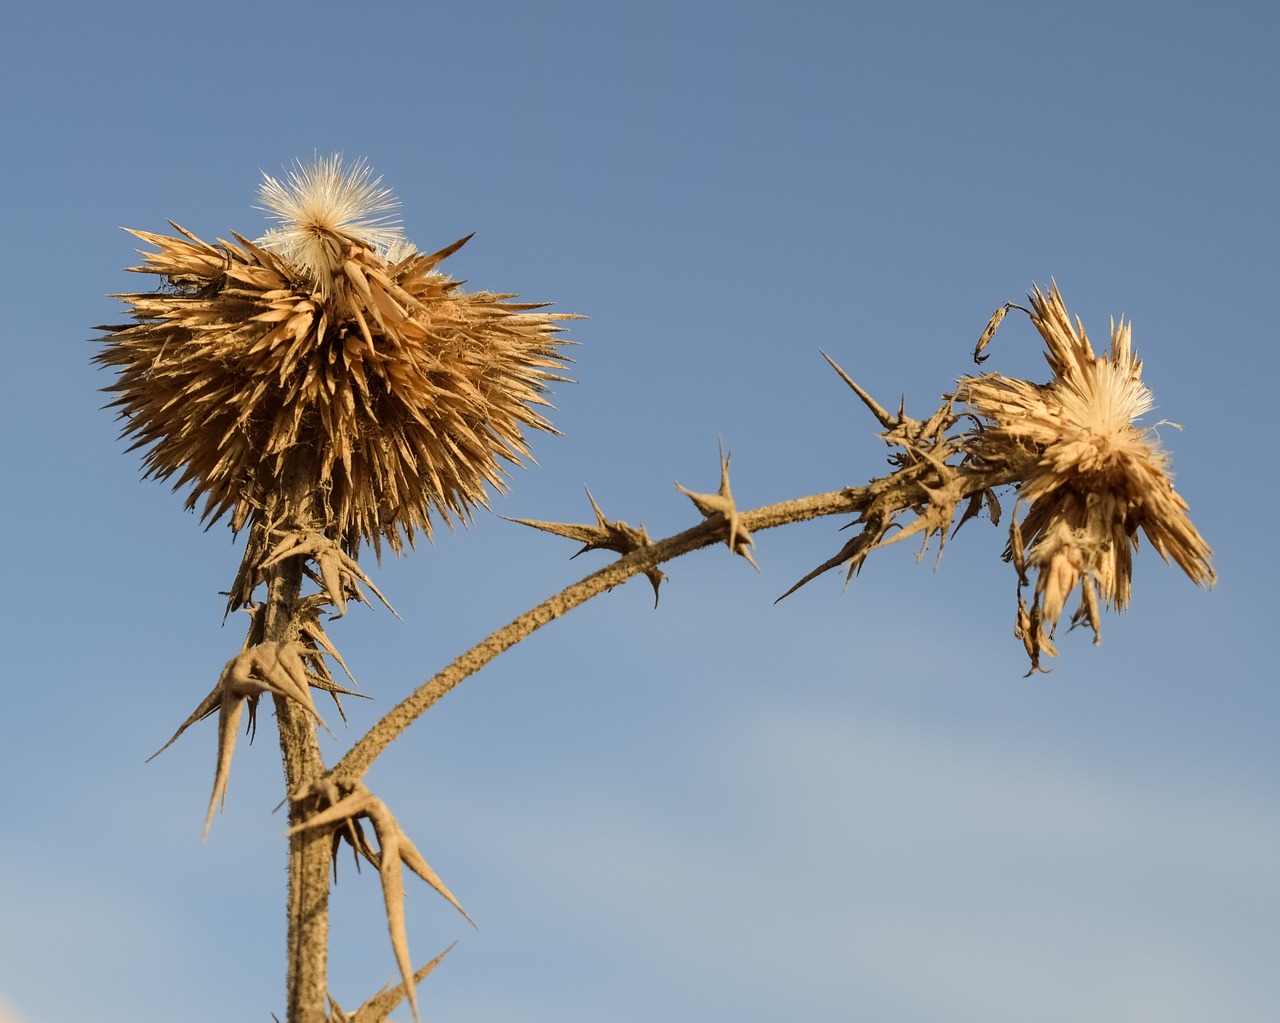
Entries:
{"x":846,"y":806}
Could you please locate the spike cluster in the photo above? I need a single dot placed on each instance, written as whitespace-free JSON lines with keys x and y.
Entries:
{"x":328,"y":351}
{"x":346,"y":805}
{"x":721,"y":507}
{"x":282,"y":669}
{"x":606,"y":534}
{"x":377,"y":1008}
{"x":930,"y":480}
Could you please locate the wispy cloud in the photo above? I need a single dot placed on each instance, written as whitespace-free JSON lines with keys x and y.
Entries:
{"x":926,"y":875}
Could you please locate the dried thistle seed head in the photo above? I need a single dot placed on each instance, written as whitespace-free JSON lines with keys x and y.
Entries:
{"x":1092,"y":477}
{"x":328,"y":359}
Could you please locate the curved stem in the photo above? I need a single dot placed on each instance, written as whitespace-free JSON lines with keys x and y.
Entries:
{"x":706,"y":534}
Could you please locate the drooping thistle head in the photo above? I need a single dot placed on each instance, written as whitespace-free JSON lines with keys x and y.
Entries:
{"x":328,"y":372}
{"x":1092,"y":477}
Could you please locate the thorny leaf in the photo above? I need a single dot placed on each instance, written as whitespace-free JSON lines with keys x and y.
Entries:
{"x":308,"y":622}
{"x":394,"y":849}
{"x":249,"y":575}
{"x":877,"y":410}
{"x":1030,"y":630}
{"x":604,"y":535}
{"x":972,"y":510}
{"x":318,"y":644}
{"x":993,"y":506}
{"x":315,"y":645}
{"x":853,"y":553}
{"x":339,"y":572}
{"x":275,"y":668}
{"x":924,"y":481}
{"x":352,"y":833}
{"x":721,"y":504}
{"x":318,"y":681}
{"x":377,"y":1008}
{"x":207,"y":706}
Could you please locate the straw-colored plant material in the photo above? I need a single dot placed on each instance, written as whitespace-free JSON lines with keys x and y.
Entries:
{"x":377,"y":1008}
{"x":275,"y":668}
{"x":931,"y":480}
{"x":346,"y":807}
{"x":720,"y":507}
{"x":606,"y":534}
{"x":1092,"y":477}
{"x":332,"y":357}
{"x":339,"y":573}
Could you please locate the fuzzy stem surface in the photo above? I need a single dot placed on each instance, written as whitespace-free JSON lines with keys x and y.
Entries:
{"x":706,"y":534}
{"x":310,"y":852}
{"x":307,"y":939}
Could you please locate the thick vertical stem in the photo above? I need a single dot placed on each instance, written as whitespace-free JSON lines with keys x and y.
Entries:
{"x":309,"y":854}
{"x":307,"y":943}
{"x":309,"y":859}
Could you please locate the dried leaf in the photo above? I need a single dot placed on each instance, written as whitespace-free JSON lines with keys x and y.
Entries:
{"x":604,"y":535}
{"x":721,"y":505}
{"x":377,"y":1008}
{"x":394,"y":849}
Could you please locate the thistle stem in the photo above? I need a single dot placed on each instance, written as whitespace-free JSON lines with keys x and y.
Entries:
{"x":310,"y":851}
{"x":307,"y":941}
{"x":706,"y":534}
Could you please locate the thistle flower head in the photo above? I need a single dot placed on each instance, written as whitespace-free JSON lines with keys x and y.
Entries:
{"x":1092,"y":477}
{"x":327,"y":377}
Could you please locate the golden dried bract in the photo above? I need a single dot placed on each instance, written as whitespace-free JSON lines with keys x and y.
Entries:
{"x":1092,"y":477}
{"x":329,"y":359}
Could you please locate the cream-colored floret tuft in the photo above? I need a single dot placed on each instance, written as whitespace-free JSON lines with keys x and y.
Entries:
{"x":323,"y":207}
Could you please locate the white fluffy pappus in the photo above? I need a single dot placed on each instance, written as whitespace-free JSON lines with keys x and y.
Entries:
{"x":322,"y":207}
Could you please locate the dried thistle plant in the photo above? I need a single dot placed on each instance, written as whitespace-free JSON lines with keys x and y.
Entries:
{"x":327,"y":387}
{"x":1074,"y":453}
{"x":394,"y":849}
